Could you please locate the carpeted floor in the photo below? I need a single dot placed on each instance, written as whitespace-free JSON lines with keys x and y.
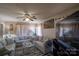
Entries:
{"x":32,"y":51}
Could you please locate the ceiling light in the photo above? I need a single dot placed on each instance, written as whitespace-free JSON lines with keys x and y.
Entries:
{"x":27,"y":19}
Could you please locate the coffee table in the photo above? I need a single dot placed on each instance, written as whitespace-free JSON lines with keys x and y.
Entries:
{"x":26,"y":47}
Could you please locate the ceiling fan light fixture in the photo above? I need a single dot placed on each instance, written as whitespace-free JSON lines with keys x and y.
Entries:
{"x":27,"y":19}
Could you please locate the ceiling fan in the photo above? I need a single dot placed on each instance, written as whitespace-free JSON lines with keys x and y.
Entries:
{"x":27,"y":17}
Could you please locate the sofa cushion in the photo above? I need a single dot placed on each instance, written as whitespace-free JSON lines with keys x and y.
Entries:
{"x":3,"y":42}
{"x":9,"y":41}
{"x":40,"y":46}
{"x":1,"y":45}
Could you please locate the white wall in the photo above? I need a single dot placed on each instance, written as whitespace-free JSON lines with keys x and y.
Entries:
{"x":50,"y":33}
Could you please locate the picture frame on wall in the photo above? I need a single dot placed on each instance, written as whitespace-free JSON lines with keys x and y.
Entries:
{"x":49,"y":24}
{"x":11,"y":27}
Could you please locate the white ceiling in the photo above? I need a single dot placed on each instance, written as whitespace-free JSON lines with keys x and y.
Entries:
{"x":43,"y":12}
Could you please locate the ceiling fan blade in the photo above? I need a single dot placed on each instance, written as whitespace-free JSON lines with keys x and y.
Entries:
{"x":34,"y":17}
{"x":31,"y":19}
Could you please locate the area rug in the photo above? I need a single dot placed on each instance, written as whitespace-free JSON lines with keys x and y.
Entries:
{"x":32,"y":51}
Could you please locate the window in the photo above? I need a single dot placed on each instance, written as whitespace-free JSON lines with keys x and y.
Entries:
{"x":39,"y":30}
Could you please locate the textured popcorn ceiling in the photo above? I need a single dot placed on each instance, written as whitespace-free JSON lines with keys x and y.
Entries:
{"x":43,"y":12}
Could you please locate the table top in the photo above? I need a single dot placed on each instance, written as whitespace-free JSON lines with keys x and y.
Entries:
{"x":28,"y":44}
